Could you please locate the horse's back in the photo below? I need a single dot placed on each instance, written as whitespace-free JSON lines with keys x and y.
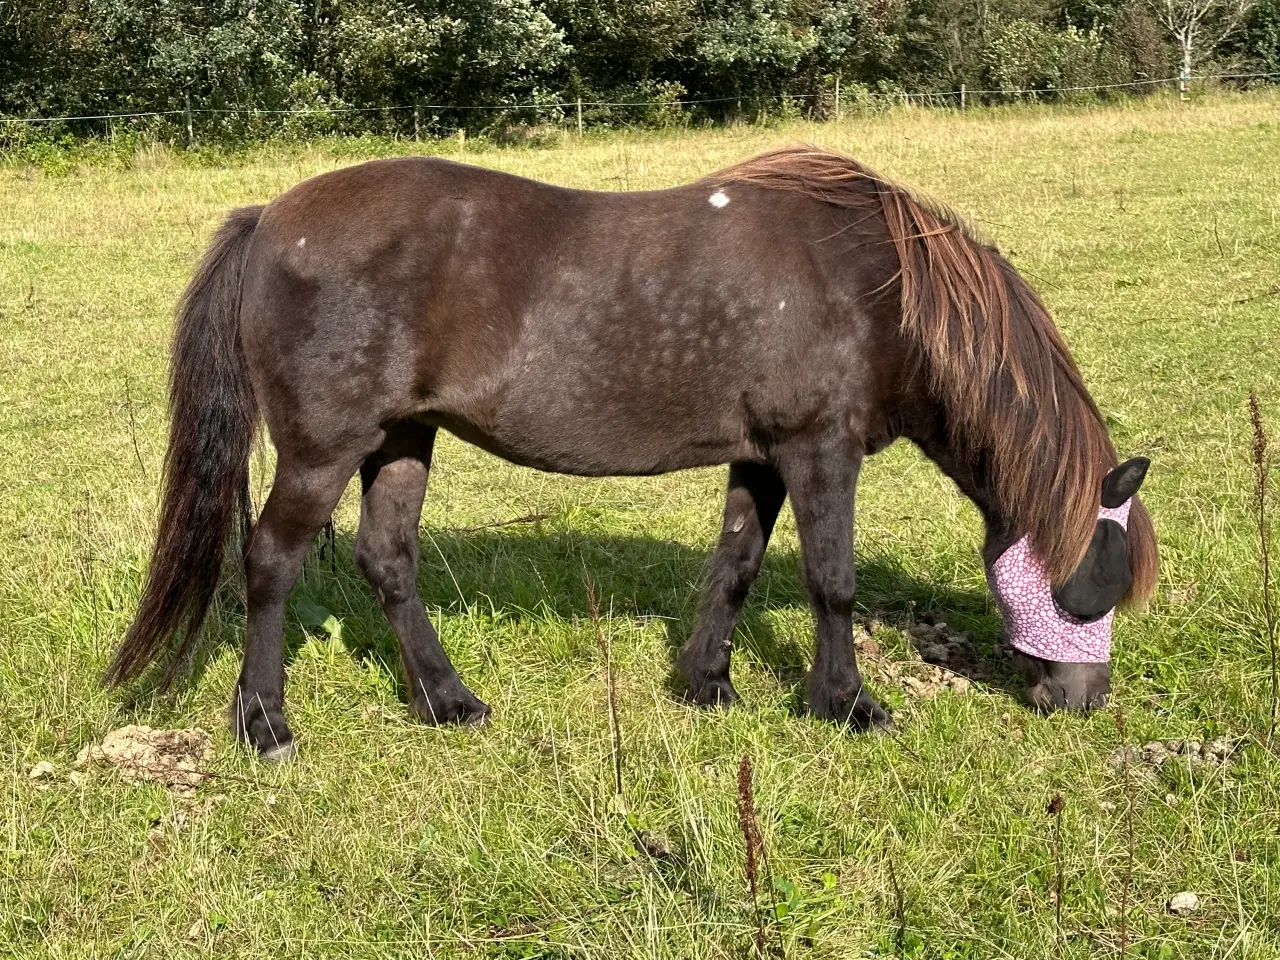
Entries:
{"x":578,"y":331}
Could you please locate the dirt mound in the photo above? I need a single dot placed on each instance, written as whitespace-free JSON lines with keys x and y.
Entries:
{"x":1192,"y":753}
{"x":947,"y":661}
{"x":175,"y":758}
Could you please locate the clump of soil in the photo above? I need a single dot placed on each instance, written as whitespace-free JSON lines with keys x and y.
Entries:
{"x":938,"y":643}
{"x":947,"y":661}
{"x":1156,"y":753}
{"x":175,"y":758}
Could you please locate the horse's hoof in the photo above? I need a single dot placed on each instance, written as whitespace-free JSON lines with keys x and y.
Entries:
{"x":280,"y":754}
{"x":261,"y":726}
{"x":858,"y":711}
{"x":452,"y":703}
{"x":714,"y":692}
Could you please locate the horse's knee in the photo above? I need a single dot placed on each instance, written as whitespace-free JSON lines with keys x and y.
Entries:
{"x":390,"y":569}
{"x":832,"y":590}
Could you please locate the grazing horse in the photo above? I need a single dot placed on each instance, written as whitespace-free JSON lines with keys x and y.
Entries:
{"x":787,"y":316}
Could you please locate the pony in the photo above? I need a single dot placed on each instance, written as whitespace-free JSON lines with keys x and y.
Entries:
{"x":787,"y":316}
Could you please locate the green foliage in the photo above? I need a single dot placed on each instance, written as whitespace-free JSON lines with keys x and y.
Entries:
{"x":355,"y":66}
{"x":1026,"y":55}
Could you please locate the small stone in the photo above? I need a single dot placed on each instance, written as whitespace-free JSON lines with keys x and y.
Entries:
{"x":42,"y":769}
{"x":271,"y":799}
{"x":1130,"y":753}
{"x":1220,"y":750}
{"x":1107,"y":806}
{"x":196,"y":931}
{"x":868,"y":647}
{"x":1155,"y":753}
{"x":1170,"y":800}
{"x":1183,"y":904}
{"x":653,"y":845}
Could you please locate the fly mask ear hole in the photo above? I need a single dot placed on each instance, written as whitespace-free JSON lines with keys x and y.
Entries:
{"x":1102,"y":578}
{"x":1123,"y":482}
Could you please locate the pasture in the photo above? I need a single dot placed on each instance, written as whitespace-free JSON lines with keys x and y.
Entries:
{"x":1152,"y":231}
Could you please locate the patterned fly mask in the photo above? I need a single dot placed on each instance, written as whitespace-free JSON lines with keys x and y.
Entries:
{"x":1033,"y":622}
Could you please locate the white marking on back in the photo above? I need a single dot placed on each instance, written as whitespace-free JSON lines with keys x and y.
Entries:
{"x":781,"y":304}
{"x":302,"y":241}
{"x":718,"y":199}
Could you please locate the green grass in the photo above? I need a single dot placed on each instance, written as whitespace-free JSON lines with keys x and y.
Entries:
{"x":1150,"y":229}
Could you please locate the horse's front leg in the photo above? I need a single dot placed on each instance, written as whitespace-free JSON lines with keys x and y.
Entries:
{"x":751,"y":506}
{"x":821,"y":475}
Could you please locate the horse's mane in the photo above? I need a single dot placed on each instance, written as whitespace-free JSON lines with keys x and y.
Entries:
{"x":1010,"y":390}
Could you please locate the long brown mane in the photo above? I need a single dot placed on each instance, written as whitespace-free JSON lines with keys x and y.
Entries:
{"x":994,"y":358}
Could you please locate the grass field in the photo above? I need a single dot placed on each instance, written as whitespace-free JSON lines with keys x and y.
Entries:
{"x":1153,"y":232}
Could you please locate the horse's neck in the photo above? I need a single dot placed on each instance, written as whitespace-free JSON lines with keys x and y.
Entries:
{"x":975,"y":483}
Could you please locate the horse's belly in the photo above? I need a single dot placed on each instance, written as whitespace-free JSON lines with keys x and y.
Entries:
{"x":601,"y":443}
{"x":607,"y":433}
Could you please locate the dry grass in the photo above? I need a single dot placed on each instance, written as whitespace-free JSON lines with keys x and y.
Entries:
{"x":1152,"y":232}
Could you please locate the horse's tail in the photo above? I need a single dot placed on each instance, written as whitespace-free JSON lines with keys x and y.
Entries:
{"x":1014,"y":398}
{"x":205,"y":491}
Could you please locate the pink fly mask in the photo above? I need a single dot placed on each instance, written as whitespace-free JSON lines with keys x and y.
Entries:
{"x":1034,"y":623}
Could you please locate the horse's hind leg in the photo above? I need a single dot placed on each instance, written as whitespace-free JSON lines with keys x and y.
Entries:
{"x":302,"y":498}
{"x":394,"y":481}
{"x":821,"y":478}
{"x":751,"y":506}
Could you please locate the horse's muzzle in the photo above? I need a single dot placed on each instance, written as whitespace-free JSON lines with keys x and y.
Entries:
{"x":1052,"y":685}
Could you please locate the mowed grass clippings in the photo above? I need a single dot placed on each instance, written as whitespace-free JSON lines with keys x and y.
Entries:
{"x":1153,"y":232}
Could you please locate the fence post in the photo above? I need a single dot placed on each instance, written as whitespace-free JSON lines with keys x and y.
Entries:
{"x":962,"y":96}
{"x":417,"y":120}
{"x":191,"y":136}
{"x":837,"y":98}
{"x":579,"y":115}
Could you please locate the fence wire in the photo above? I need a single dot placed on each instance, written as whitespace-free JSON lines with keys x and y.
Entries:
{"x":903,"y":96}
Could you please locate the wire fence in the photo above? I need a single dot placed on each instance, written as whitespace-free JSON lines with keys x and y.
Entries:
{"x":959,"y":97}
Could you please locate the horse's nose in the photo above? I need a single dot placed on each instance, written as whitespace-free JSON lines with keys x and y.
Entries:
{"x":1078,"y":687}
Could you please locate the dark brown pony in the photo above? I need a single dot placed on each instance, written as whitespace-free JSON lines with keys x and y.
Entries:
{"x":787,"y":316}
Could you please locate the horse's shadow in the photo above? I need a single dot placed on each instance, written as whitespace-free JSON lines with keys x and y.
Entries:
{"x":536,"y":573}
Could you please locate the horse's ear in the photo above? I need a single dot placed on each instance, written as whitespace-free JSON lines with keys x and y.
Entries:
{"x":1123,"y":482}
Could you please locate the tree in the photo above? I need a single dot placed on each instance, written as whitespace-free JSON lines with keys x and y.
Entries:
{"x":1199,"y":26}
